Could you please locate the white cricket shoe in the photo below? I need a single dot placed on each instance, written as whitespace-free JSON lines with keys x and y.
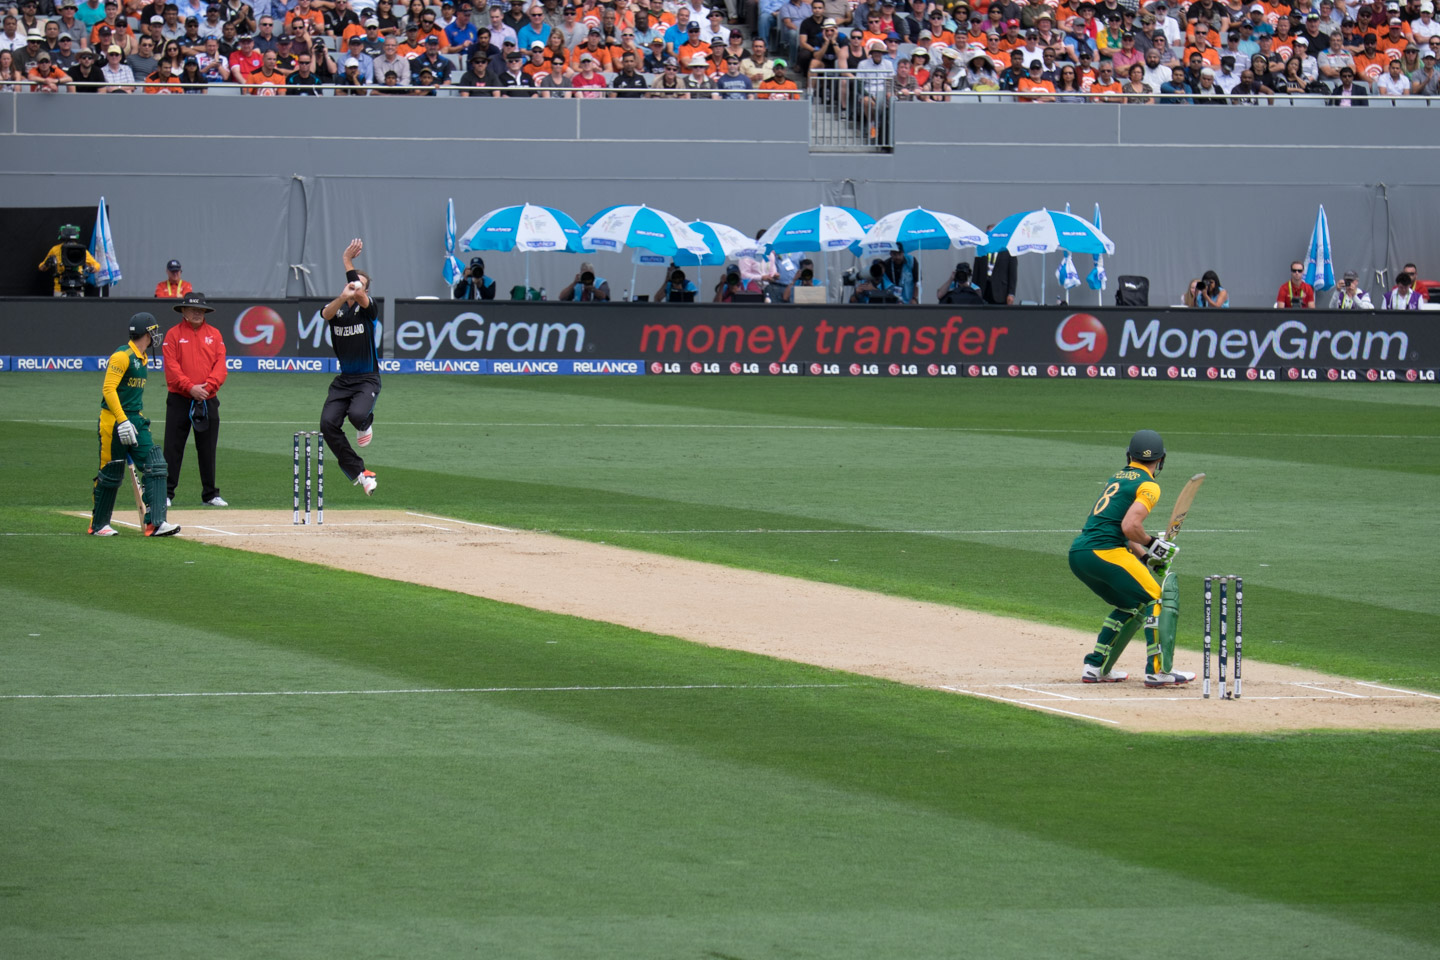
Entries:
{"x":1174,"y":678}
{"x":363,"y":437}
{"x":367,"y":482}
{"x":1185,"y":675}
{"x":105,"y":531}
{"x":213,"y":502}
{"x":1093,"y":675}
{"x":164,"y":529}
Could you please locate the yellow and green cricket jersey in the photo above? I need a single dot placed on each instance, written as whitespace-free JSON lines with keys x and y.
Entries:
{"x":1102,"y":528}
{"x":124,"y":391}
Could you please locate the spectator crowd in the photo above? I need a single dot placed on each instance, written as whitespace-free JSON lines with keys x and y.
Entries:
{"x":1202,"y":52}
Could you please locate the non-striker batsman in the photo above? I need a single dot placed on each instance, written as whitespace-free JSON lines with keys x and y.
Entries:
{"x":124,"y":434}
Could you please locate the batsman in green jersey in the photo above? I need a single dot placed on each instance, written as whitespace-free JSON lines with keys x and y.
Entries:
{"x":1116,"y":558}
{"x":124,"y":434}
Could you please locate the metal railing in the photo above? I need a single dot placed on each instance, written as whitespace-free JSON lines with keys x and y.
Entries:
{"x":851,"y":111}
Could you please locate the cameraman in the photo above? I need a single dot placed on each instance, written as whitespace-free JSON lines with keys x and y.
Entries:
{"x":903,"y":271}
{"x":587,"y":287}
{"x":726,"y":289}
{"x":1207,"y":292}
{"x":877,"y":288}
{"x":1349,"y":296}
{"x":804,"y":277}
{"x":959,"y":291}
{"x":71,"y":263}
{"x":473,"y":284}
{"x":676,"y":289}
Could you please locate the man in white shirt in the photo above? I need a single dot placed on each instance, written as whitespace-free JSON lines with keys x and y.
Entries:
{"x":1427,"y":26}
{"x":389,"y":60}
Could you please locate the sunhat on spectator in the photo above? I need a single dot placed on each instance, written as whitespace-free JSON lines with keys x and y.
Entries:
{"x":43,"y":56}
{"x":699,"y":60}
{"x":537,"y":45}
{"x":351,"y":62}
{"x":874,"y":45}
{"x":157,"y":19}
{"x":585,"y":56}
{"x":436,"y":40}
{"x":372,"y":22}
{"x":1207,"y":72}
{"x":829,"y":22}
{"x":116,"y":50}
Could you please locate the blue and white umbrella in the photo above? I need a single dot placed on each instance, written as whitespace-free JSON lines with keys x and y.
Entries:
{"x":451,"y":269}
{"x":1096,"y":278}
{"x":526,"y":227}
{"x":822,"y":229}
{"x":1045,"y":231}
{"x":632,"y":225}
{"x":102,"y":248}
{"x":921,"y":229}
{"x":1319,"y":262}
{"x":723,"y":243}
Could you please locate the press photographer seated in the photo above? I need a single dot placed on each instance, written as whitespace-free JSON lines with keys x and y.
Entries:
{"x":676,"y":289}
{"x":70,"y":262}
{"x":876,"y":288}
{"x":959,"y":290}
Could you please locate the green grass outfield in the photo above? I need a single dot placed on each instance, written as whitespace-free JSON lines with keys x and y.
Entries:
{"x":770,"y":814}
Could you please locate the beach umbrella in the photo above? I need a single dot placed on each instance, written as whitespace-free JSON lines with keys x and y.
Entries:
{"x":637,"y":225}
{"x":822,"y":229}
{"x":642,"y":227}
{"x":451,"y":269}
{"x":1045,"y":231}
{"x":921,"y":229}
{"x":526,"y":227}
{"x":102,"y":248}
{"x":722,"y":243}
{"x":1319,"y":264}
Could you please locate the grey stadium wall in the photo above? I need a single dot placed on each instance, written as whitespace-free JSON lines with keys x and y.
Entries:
{"x":259,"y":196}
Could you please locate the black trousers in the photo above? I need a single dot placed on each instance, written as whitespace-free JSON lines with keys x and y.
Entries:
{"x":177,"y":432}
{"x":352,"y":397}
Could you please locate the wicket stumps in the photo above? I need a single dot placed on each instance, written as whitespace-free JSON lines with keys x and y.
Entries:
{"x":1239,"y":585}
{"x":319,"y":476}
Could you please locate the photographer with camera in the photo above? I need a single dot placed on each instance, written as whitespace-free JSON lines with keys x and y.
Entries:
{"x":958,"y":290}
{"x":1349,"y":296}
{"x":473,"y":284}
{"x":804,"y":277}
{"x":1207,"y":292}
{"x":676,"y":289}
{"x":727,"y":288}
{"x":71,"y":262}
{"x":877,"y":287}
{"x":903,"y":271}
{"x":587,"y":287}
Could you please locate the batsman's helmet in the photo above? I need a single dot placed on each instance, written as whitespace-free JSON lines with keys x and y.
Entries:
{"x":143,"y":323}
{"x":1146,"y":446}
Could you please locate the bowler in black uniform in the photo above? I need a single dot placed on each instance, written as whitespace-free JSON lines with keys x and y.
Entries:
{"x":353,"y":319}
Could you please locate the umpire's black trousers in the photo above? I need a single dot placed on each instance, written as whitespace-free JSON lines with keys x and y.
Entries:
{"x":177,"y":433}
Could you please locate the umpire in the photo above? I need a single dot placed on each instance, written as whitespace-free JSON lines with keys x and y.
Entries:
{"x":194,"y":355}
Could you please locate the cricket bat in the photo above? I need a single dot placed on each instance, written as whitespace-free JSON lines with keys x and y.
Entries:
{"x":1182,"y":505}
{"x":139,"y":496}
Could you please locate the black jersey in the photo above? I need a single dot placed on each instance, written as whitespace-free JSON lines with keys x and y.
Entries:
{"x":352,"y":332}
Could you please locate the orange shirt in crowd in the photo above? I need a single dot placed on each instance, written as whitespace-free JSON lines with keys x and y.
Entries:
{"x":1027,"y":85}
{"x":778,"y":90}
{"x":1209,"y":55}
{"x":1111,"y":87}
{"x":317,"y":22}
{"x":266,"y":86}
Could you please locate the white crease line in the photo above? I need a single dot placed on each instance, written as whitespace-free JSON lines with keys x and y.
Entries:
{"x":483,"y":526}
{"x":1047,"y":693}
{"x":1311,"y":686}
{"x":759,"y":530}
{"x":226,"y":533}
{"x":1027,"y":703}
{"x":1413,"y":693}
{"x":372,"y":693}
{"x":1151,"y":698}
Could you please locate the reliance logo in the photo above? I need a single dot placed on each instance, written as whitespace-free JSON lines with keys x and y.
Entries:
{"x":449,"y":366}
{"x":291,"y":365}
{"x":49,"y":363}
